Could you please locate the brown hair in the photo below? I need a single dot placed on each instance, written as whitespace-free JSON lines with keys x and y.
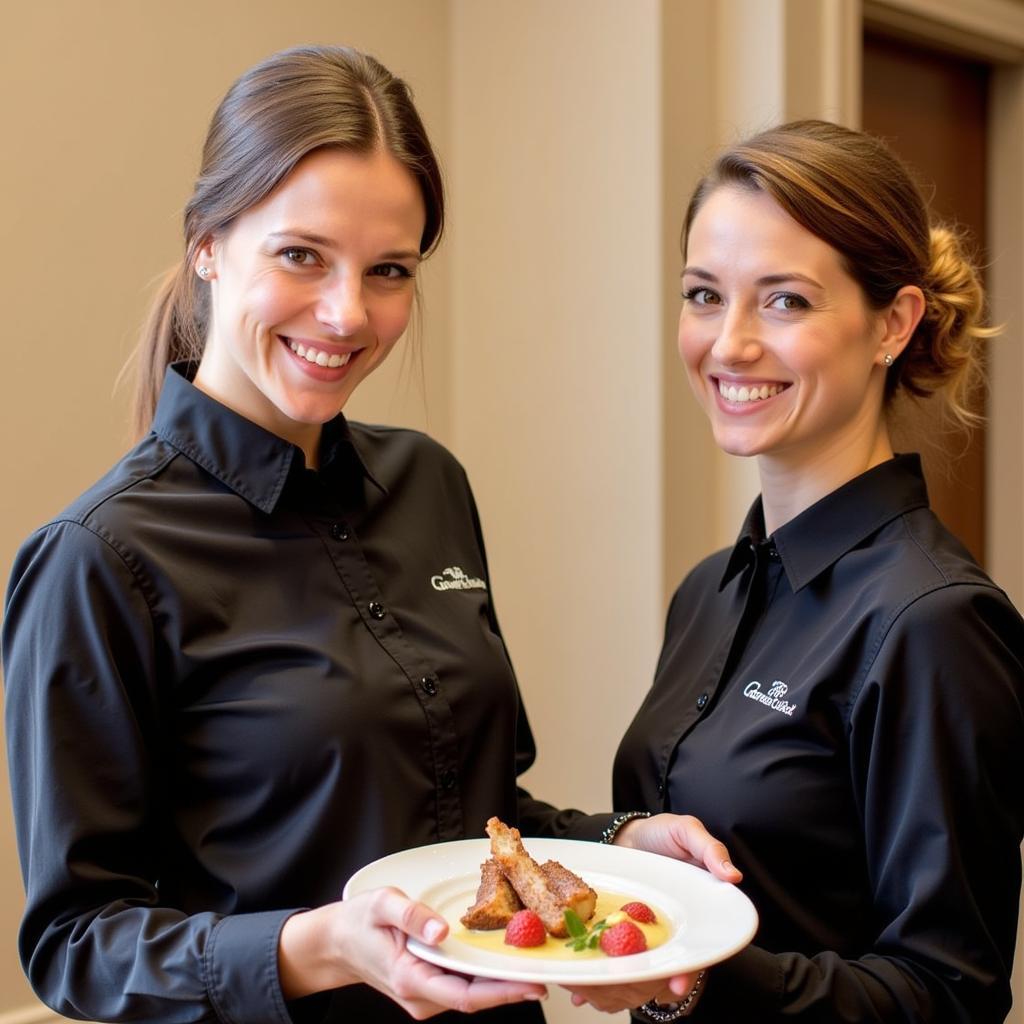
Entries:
{"x":278,"y":112}
{"x":854,"y":193}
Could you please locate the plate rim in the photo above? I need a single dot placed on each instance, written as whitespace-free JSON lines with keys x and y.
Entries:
{"x":564,"y":972}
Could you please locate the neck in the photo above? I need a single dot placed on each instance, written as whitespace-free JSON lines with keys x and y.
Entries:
{"x":791,"y":483}
{"x":255,"y":406}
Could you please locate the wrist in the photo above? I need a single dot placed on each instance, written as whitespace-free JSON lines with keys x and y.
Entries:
{"x":304,"y":961}
{"x":664,"y":1012}
{"x":615,"y":833}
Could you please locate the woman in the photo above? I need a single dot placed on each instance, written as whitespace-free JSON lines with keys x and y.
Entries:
{"x":839,"y":696}
{"x":230,"y":680}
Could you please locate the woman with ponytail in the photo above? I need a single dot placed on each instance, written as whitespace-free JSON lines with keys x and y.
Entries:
{"x":840,"y":694}
{"x":230,"y":680}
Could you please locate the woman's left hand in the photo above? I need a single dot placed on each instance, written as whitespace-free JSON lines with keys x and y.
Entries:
{"x":616,"y":998}
{"x":682,"y":837}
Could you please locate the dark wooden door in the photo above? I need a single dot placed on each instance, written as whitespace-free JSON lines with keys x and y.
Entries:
{"x":933,"y":110}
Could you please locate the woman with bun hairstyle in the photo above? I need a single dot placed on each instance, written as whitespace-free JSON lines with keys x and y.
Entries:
{"x":839,"y":695}
{"x":230,"y":680}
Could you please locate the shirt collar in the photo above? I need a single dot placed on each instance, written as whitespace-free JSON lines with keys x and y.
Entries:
{"x":244,"y":456}
{"x":818,"y":537}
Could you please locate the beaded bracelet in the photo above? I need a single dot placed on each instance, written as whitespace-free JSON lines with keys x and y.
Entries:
{"x":656,"y":1011}
{"x":609,"y":834}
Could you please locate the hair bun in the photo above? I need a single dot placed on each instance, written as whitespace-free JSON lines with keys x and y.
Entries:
{"x":944,"y":354}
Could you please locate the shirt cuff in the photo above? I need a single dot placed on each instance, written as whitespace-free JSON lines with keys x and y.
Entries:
{"x":240,"y":968}
{"x":590,"y":827}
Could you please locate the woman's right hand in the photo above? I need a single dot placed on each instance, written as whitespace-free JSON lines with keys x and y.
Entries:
{"x":363,"y":940}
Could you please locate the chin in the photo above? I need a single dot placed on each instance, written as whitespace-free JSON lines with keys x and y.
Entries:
{"x":311,"y":413}
{"x":741,"y":447}
{"x":740,"y":451}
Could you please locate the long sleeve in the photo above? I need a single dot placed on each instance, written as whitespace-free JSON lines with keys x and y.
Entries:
{"x":232,"y":682}
{"x":936,"y":757}
{"x":84,"y":722}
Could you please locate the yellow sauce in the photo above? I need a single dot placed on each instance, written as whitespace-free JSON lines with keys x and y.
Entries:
{"x":556,"y":949}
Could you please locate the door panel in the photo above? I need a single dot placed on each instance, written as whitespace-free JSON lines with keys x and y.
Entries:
{"x":932,"y":108}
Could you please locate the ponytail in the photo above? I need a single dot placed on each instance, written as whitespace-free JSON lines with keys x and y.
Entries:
{"x":174,"y":330}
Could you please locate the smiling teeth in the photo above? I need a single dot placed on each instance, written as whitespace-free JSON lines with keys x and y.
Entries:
{"x":731,"y":393}
{"x":315,"y":355}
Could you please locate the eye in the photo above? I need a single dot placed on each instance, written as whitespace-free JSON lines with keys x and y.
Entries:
{"x":300,"y":256}
{"x":701,"y":295}
{"x":390,"y":271}
{"x":788,"y":302}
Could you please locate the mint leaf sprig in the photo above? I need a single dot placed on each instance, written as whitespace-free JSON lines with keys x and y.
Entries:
{"x":580,"y":937}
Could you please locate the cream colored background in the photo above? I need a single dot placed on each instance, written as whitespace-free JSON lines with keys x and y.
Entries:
{"x":571,"y":131}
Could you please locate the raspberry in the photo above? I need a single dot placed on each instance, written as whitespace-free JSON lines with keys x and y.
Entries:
{"x":640,"y":912}
{"x":525,"y":929}
{"x":623,"y":939}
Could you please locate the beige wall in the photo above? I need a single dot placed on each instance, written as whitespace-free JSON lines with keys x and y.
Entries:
{"x":557,"y":351}
{"x":571,"y":131}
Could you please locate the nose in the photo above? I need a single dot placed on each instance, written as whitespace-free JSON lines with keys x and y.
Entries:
{"x":341,"y":305}
{"x":738,"y":340}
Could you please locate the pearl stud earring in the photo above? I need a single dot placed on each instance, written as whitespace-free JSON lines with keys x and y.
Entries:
{"x":887,"y":358}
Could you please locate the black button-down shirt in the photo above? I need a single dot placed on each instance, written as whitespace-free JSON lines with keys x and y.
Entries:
{"x":842,"y":704}
{"x":231,"y":682}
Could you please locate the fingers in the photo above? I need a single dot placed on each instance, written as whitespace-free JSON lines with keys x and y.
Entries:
{"x":363,"y":939}
{"x":468,"y":995}
{"x":423,"y":989}
{"x":615,"y":998}
{"x":683,"y":837}
{"x":394,"y":908}
{"x":679,"y":986}
{"x":694,"y":839}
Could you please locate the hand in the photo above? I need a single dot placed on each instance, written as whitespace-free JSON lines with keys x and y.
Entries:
{"x":615,"y":998}
{"x":680,"y":836}
{"x":363,"y":940}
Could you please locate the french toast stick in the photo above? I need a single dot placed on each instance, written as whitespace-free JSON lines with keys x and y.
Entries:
{"x":547,"y":891}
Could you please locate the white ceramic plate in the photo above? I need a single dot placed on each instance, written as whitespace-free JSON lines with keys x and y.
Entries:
{"x":710,"y":919}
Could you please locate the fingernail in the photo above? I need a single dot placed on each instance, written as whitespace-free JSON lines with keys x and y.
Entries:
{"x":728,"y":865}
{"x":535,"y":997}
{"x":432,"y":931}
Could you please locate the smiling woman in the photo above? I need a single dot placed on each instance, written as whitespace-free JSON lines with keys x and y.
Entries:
{"x":260,"y":653}
{"x":841,"y":694}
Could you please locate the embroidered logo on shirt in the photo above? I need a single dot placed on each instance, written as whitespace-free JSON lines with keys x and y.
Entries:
{"x":773,"y":698}
{"x":454,"y":578}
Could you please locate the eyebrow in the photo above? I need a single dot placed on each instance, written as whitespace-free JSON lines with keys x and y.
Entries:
{"x":767,"y":280}
{"x":327,"y":243}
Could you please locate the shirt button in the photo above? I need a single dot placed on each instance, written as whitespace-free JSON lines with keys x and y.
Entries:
{"x":702,"y":702}
{"x":449,"y":779}
{"x":339,"y":531}
{"x":377,"y":610}
{"x":661,"y":789}
{"x":429,"y":685}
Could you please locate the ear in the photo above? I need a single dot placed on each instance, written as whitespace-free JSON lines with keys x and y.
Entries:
{"x":899,"y":322}
{"x":205,"y":264}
